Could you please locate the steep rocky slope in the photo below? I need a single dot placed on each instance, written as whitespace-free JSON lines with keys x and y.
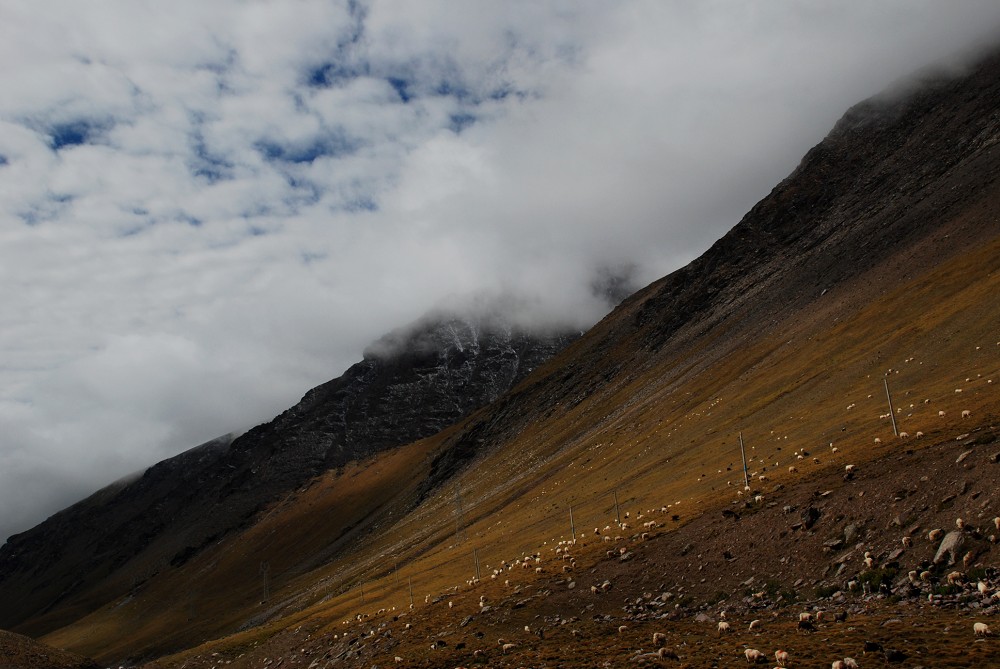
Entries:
{"x":20,"y":652}
{"x":874,"y":263}
{"x":411,"y":384}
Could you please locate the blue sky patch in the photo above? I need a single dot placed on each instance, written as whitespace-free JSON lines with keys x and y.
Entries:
{"x":333,"y":145}
{"x":74,"y":133}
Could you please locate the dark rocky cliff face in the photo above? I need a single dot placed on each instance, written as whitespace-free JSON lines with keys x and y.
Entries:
{"x":411,"y":384}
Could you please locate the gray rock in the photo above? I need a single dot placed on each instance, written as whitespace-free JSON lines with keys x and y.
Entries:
{"x":851,"y":533}
{"x":950,"y":548}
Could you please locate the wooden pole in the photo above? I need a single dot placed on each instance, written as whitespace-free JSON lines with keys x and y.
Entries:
{"x":409,"y":582}
{"x":475,"y":553}
{"x":892,"y":414}
{"x":618,"y":513}
{"x":362,"y":592}
{"x":572,"y":526}
{"x":743,"y":452}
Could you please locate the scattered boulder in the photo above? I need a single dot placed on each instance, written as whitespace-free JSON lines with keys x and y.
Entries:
{"x":950,"y":548}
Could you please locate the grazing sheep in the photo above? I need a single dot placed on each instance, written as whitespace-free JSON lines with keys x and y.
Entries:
{"x":781,"y":656}
{"x":913,"y":576}
{"x":982,"y":588}
{"x":806,"y":626}
{"x":925,"y":576}
{"x":792,"y":469}
{"x":840,"y":616}
{"x":398,"y":659}
{"x":850,"y":663}
{"x":849,"y":469}
{"x":753,"y":655}
{"x":754,"y":625}
{"x":837,"y":664}
{"x":959,"y":523}
{"x":667,"y":654}
{"x":904,"y":435}
{"x":982,"y":629}
{"x":996,"y":521}
{"x":935,"y":534}
{"x":723,"y":628}
{"x":941,"y":414}
{"x":907,"y":543}
{"x":954,"y":578}
{"x":659,"y":639}
{"x":508,"y":646}
{"x":966,"y":413}
{"x":877,"y":441}
{"x":622,"y":628}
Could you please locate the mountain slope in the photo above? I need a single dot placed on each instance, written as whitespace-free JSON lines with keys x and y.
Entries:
{"x":411,"y":384}
{"x":874,"y":262}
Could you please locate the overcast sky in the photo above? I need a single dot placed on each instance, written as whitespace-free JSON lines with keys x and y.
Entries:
{"x":207,"y":208}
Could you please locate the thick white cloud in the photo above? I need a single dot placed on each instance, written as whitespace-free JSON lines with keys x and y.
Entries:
{"x":208,"y":207}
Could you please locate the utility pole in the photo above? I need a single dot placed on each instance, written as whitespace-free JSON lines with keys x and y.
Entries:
{"x":572,"y":526}
{"x":892,"y":414}
{"x":265,"y":567}
{"x":618,"y":513}
{"x":475,"y":554}
{"x":409,"y":582}
{"x":743,"y":452}
{"x":459,"y":530}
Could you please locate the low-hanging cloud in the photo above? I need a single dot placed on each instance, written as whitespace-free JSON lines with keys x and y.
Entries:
{"x":208,"y":208}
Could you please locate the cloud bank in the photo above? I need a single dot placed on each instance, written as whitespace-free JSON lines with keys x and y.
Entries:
{"x":208,"y":208}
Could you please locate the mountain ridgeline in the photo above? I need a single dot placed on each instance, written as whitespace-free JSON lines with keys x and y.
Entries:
{"x":411,"y":384}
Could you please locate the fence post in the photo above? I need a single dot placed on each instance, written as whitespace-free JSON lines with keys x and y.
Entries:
{"x":618,"y":513}
{"x":572,"y":526}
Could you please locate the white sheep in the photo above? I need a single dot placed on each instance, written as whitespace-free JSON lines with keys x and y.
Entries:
{"x":954,"y":578}
{"x":935,"y":534}
{"x":753,"y":655}
{"x":754,"y":625}
{"x":982,"y":629}
{"x":781,"y":656}
{"x":850,"y":663}
{"x":982,"y":588}
{"x":837,"y":664}
{"x":723,"y":628}
{"x":659,"y":639}
{"x":508,"y":646}
{"x":877,"y":441}
{"x":966,"y":413}
{"x":792,"y":469}
{"x":913,"y":576}
{"x":849,"y":468}
{"x":904,"y":435}
{"x":622,"y":629}
{"x":919,"y":434}
{"x":907,"y":542}
{"x":804,"y":616}
{"x":959,"y":523}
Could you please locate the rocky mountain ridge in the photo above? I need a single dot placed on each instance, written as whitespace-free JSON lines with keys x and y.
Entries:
{"x":412,"y":383}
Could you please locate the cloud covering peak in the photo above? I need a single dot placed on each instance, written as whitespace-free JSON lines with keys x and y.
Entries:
{"x":208,"y":208}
